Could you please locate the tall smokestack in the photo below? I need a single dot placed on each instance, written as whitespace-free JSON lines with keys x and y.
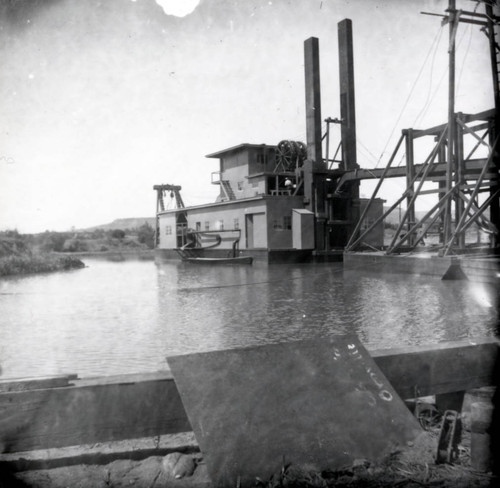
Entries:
{"x":348,"y":116}
{"x":313,"y":101}
{"x":347,"y":106}
{"x":313,"y":183}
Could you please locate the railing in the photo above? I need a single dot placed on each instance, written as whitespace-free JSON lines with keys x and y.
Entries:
{"x":280,"y":193}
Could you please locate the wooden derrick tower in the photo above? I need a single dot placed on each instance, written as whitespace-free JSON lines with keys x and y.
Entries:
{"x":175,"y":194}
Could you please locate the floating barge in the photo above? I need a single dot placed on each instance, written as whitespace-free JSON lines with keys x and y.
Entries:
{"x":296,"y":202}
{"x":227,"y":261}
{"x":477,"y":268}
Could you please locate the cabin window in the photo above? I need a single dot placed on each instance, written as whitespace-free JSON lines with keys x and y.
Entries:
{"x":207,"y":225}
{"x":366,"y":224}
{"x":283,"y":223}
{"x":262,"y":158}
{"x":220,"y":224}
{"x":168,"y":230}
{"x":198,"y":226}
{"x":236,"y":223}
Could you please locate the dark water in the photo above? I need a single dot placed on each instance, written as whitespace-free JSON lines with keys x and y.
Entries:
{"x":126,"y":317}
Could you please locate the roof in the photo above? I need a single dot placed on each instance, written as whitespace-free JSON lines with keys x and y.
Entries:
{"x":237,"y":148}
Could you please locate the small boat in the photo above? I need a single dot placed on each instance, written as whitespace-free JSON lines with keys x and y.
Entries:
{"x":192,"y":252}
{"x":227,"y":260}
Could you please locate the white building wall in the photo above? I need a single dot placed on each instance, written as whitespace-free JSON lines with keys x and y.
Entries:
{"x":268,"y":219}
{"x":168,"y":239}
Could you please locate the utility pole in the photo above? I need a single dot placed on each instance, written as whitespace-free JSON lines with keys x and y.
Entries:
{"x":453,"y":23}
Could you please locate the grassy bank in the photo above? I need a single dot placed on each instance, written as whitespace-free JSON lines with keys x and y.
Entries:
{"x":19,"y":256}
{"x":37,"y":263}
{"x":55,"y":251}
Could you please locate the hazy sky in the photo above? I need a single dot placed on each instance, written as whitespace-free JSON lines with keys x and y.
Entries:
{"x":102,"y":99}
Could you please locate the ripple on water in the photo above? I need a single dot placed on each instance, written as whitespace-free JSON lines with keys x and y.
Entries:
{"x":125,"y":317}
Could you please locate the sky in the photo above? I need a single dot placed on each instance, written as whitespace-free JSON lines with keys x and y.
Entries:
{"x":102,"y":99}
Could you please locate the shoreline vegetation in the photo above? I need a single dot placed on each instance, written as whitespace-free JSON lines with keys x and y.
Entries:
{"x":22,"y":254}
{"x":37,"y":263}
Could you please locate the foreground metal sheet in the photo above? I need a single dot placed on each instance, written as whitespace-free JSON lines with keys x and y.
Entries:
{"x":322,"y":403}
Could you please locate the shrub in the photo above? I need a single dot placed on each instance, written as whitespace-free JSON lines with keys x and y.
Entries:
{"x":118,"y":233}
{"x":38,"y":263}
{"x":54,"y":241}
{"x":75,"y":245}
{"x":146,"y":235}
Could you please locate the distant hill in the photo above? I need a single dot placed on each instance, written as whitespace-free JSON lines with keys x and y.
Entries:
{"x":131,"y":223}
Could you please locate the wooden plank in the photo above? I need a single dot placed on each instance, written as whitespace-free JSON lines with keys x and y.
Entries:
{"x":22,"y":384}
{"x":431,"y":131}
{"x":485,"y":115}
{"x":322,"y":401}
{"x":443,"y":368}
{"x":57,"y":417}
{"x":100,"y":453}
{"x":141,"y":405}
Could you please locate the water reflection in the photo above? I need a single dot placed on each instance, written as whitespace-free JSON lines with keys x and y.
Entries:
{"x":123,"y":317}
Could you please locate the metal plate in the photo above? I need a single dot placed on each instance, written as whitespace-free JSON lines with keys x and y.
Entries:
{"x":322,"y":403}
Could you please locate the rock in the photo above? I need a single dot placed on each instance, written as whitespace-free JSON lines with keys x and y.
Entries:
{"x":178,"y":465}
{"x":169,"y":462}
{"x":360,"y":465}
{"x":184,"y":467}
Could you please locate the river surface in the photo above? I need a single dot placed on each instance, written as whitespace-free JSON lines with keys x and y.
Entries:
{"x":127,"y":317}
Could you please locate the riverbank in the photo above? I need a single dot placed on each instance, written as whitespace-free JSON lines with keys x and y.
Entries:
{"x":114,"y":255}
{"x":37,"y":263}
{"x":22,"y":254}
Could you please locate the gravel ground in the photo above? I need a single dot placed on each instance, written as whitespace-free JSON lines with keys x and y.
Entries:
{"x":411,"y":467}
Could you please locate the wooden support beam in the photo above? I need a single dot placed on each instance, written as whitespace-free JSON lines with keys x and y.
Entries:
{"x":475,"y":22}
{"x":91,"y":411}
{"x":485,"y":115}
{"x":142,"y":405}
{"x":443,"y":368}
{"x":410,"y":176}
{"x":23,"y":384}
{"x":472,"y":169}
{"x":431,"y":131}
